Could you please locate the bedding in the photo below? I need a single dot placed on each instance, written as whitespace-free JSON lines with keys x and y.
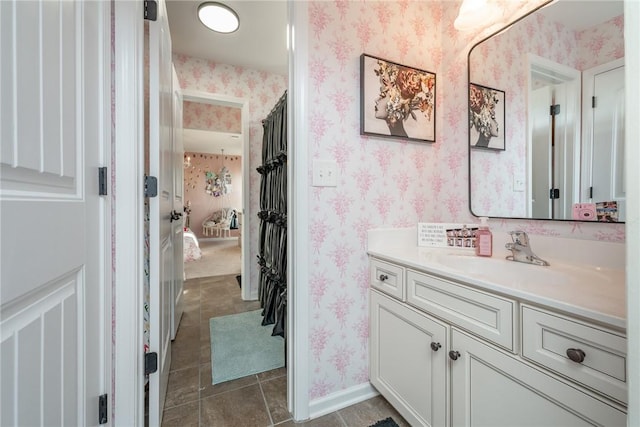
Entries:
{"x":192,"y":250}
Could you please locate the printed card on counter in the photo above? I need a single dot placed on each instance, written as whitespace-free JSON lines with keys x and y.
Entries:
{"x":447,"y":235}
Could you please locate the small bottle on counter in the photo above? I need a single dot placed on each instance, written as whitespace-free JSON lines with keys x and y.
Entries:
{"x":484,"y":239}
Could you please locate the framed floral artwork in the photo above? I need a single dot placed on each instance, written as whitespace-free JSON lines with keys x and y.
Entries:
{"x":396,"y":101}
{"x":486,"y":117}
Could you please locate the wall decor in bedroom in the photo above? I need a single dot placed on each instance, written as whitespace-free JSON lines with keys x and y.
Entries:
{"x":396,"y":101}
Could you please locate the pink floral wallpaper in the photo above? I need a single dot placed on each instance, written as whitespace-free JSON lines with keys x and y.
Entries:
{"x":197,"y":115}
{"x":498,"y":63}
{"x":382,"y":182}
{"x":263,"y":90}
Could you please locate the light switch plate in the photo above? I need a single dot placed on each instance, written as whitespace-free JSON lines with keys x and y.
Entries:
{"x":518,"y":184}
{"x":325,"y":173}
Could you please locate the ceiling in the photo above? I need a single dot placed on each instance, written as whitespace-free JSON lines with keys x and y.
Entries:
{"x":204,"y":141}
{"x":580,"y":15}
{"x":259,"y":44}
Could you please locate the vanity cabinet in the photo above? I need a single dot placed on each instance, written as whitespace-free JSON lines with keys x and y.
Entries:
{"x":408,"y":362}
{"x":490,"y":387}
{"x":453,"y":354}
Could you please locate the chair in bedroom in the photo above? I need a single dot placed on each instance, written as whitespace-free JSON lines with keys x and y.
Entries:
{"x":218,"y":222}
{"x":224,"y":224}
{"x":223,"y":227}
{"x":209,"y":225}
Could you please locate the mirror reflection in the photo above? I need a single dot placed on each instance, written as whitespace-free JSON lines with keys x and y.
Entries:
{"x":559,"y":75}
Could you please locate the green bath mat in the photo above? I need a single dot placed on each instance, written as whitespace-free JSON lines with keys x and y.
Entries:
{"x":241,"y":346}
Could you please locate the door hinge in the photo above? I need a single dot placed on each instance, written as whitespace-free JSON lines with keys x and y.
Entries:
{"x":554,"y":110}
{"x":591,"y":192}
{"x":150,"y":363}
{"x":554,"y":193}
{"x":102,"y":409}
{"x":150,"y":10}
{"x":150,"y":186}
{"x":593,"y":102}
{"x":102,"y":181}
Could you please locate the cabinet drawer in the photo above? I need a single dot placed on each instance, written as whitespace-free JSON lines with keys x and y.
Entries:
{"x":387,"y":278}
{"x":490,"y":317}
{"x":546,"y":337}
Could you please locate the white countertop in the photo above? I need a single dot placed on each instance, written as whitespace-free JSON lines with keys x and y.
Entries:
{"x":588,"y":289}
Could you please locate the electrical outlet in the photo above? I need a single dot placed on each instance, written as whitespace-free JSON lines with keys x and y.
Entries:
{"x":325,"y":173}
{"x":518,"y":184}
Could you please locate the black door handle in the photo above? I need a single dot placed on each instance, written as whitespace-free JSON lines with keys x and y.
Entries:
{"x":175,"y":216}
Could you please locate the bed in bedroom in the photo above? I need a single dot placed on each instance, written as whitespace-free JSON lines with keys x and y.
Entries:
{"x":192,"y":250}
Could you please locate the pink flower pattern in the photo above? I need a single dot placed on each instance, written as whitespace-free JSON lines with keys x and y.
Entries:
{"x":318,"y":286}
{"x":341,"y":359}
{"x":318,"y":338}
{"x":341,"y":307}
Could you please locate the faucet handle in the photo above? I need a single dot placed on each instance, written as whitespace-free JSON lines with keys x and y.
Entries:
{"x":520,"y":237}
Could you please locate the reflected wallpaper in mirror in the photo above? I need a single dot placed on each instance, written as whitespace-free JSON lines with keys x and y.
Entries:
{"x":563,"y":158}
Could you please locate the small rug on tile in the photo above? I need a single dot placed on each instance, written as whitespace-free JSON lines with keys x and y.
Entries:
{"x":387,"y":422}
{"x":241,"y":346}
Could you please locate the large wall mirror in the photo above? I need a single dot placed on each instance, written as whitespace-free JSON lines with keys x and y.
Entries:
{"x":546,"y":115}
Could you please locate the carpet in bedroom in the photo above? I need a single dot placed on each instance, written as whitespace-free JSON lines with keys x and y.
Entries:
{"x":219,"y":258}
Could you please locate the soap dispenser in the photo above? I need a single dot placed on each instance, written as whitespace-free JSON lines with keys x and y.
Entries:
{"x":484,"y":239}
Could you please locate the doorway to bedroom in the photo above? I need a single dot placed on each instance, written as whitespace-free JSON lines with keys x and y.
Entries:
{"x":213,"y":189}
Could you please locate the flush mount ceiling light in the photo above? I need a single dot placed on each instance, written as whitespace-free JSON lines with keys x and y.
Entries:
{"x":218,"y":17}
{"x":475,"y":14}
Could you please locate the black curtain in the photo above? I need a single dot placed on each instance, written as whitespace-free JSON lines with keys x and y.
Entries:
{"x":272,"y":255}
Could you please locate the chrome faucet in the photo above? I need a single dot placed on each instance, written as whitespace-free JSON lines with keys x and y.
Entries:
{"x":521,"y":251}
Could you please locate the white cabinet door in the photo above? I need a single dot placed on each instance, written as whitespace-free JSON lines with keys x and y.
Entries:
{"x":492,"y":388}
{"x":408,"y":360}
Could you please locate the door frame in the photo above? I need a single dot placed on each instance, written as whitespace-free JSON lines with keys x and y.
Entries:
{"x":588,"y":76}
{"x":128,"y":213}
{"x":572,"y":79}
{"x":298,"y":242}
{"x":243,"y":105}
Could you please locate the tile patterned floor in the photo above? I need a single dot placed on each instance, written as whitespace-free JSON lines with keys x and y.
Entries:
{"x":253,"y":401}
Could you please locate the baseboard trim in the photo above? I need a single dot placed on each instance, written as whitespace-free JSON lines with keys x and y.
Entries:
{"x":341,"y":399}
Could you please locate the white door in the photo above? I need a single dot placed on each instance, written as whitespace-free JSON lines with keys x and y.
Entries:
{"x":178,"y":206}
{"x":161,"y":164}
{"x":607,"y":161}
{"x":55,"y":307}
{"x":541,"y":150}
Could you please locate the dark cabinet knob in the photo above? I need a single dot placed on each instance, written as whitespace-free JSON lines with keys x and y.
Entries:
{"x":453,"y":355}
{"x":435,"y":346}
{"x":576,"y":355}
{"x":383,"y":277}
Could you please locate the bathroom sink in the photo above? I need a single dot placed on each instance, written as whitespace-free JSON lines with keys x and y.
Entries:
{"x":500,"y":270}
